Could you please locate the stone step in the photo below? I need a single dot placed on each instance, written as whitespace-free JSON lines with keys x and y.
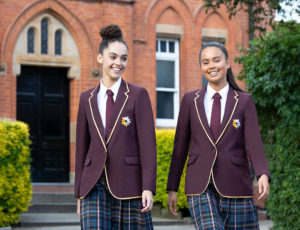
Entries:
{"x":69,"y":219}
{"x":54,"y":198}
{"x":52,"y":202}
{"x":52,"y":208}
{"x":48,"y":219}
{"x":53,"y":188}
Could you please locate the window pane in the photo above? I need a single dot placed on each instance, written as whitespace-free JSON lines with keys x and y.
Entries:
{"x":163,"y":46}
{"x":30,"y":40}
{"x":58,"y":42}
{"x":156,"y":45}
{"x":171,"y":47}
{"x":165,"y":76}
{"x":44,"y":36}
{"x":165,"y":106}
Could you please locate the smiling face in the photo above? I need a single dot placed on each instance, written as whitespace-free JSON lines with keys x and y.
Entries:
{"x":214,"y":66}
{"x":114,"y":61}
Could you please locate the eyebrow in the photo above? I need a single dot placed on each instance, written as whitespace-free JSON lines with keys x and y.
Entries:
{"x":117,"y":54}
{"x":212,"y":58}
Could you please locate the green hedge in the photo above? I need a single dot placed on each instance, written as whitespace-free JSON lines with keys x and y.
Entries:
{"x":165,"y":142}
{"x":15,"y":186}
{"x":271,"y":70}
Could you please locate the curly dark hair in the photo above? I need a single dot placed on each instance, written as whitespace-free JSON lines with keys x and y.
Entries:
{"x":110,"y":34}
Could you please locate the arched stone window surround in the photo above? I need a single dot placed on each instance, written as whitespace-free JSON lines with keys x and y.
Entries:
{"x":69,"y":51}
{"x":79,"y":70}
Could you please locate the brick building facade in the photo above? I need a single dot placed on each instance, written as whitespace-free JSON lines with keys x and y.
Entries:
{"x":60,"y":38}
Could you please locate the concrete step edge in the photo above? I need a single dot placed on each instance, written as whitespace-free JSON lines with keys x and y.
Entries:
{"x":52,"y":224}
{"x":56,"y":219}
{"x":53,"y":198}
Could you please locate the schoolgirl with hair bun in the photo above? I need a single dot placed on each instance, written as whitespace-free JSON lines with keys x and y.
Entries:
{"x":115,"y":165}
{"x":218,"y":129}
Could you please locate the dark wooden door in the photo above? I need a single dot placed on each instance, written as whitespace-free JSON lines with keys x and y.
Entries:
{"x":43,"y":103}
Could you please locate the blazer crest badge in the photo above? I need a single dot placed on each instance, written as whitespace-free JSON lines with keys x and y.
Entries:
{"x":125,"y":121}
{"x":236,"y":123}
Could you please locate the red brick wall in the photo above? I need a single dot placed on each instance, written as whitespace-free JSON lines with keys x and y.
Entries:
{"x":138,"y":21}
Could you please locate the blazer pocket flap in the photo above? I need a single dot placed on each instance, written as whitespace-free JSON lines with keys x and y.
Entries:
{"x":87,"y":162}
{"x":240,"y":161}
{"x":132,"y":160}
{"x":192,"y":159}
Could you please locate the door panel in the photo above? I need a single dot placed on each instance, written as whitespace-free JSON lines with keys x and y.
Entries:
{"x":43,"y":103}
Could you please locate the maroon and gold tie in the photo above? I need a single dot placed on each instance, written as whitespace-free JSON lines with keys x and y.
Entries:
{"x":215,"y":120}
{"x":109,"y":106}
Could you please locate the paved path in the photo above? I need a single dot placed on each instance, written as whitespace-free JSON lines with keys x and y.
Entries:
{"x":70,"y":221}
{"x":264,"y":225}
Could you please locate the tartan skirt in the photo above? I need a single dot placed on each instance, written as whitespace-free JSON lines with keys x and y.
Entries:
{"x":210,"y":211}
{"x":100,"y":210}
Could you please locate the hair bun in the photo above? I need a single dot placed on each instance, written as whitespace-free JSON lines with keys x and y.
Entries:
{"x":111,"y":32}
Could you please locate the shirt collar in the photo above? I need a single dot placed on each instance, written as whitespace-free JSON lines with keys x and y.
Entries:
{"x":211,"y":92}
{"x":115,"y":87}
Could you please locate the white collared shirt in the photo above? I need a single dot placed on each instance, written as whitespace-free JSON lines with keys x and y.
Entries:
{"x":102,"y":98}
{"x":208,"y":101}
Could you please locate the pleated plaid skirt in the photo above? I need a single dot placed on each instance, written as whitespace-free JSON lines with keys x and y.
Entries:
{"x":100,"y":210}
{"x":210,"y":211}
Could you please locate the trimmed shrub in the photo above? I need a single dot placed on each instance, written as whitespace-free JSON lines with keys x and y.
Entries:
{"x":271,"y":70}
{"x":165,"y":142}
{"x":15,"y":186}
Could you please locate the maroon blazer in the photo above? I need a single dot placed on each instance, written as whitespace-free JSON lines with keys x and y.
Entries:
{"x":126,"y":154}
{"x":224,"y":159}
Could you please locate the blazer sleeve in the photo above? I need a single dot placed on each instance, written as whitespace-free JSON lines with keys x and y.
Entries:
{"x":146,"y":140}
{"x":82,"y":144}
{"x":181,"y":146}
{"x":253,"y":141}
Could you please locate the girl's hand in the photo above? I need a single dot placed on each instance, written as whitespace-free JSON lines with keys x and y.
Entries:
{"x":172,"y":203}
{"x":263,"y":187}
{"x":78,"y":207}
{"x":147,"y":200}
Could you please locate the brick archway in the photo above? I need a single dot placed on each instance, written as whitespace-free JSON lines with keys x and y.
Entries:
{"x":235,"y":35}
{"x":85,"y":49}
{"x":153,"y":12}
{"x":156,"y":8}
{"x":75,"y":27}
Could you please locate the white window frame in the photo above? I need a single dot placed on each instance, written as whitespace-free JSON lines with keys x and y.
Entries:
{"x":167,"y":56}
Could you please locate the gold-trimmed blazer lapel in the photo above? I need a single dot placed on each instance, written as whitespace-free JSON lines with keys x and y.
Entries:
{"x":199,"y":105}
{"x":120,"y":102}
{"x":231,"y":103}
{"x":93,"y":104}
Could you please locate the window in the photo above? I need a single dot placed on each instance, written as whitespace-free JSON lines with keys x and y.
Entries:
{"x":207,"y":40}
{"x":44,"y":36}
{"x":167,"y":82}
{"x":30,"y":40}
{"x":58,"y":36}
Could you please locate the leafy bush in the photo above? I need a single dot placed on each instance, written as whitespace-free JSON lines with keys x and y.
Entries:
{"x":15,"y":186}
{"x":271,"y":70}
{"x":165,"y":142}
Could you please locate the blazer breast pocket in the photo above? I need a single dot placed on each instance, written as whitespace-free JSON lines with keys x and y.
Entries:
{"x":132,"y":160}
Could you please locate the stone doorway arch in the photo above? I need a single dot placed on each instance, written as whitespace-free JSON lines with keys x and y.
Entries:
{"x":32,"y":40}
